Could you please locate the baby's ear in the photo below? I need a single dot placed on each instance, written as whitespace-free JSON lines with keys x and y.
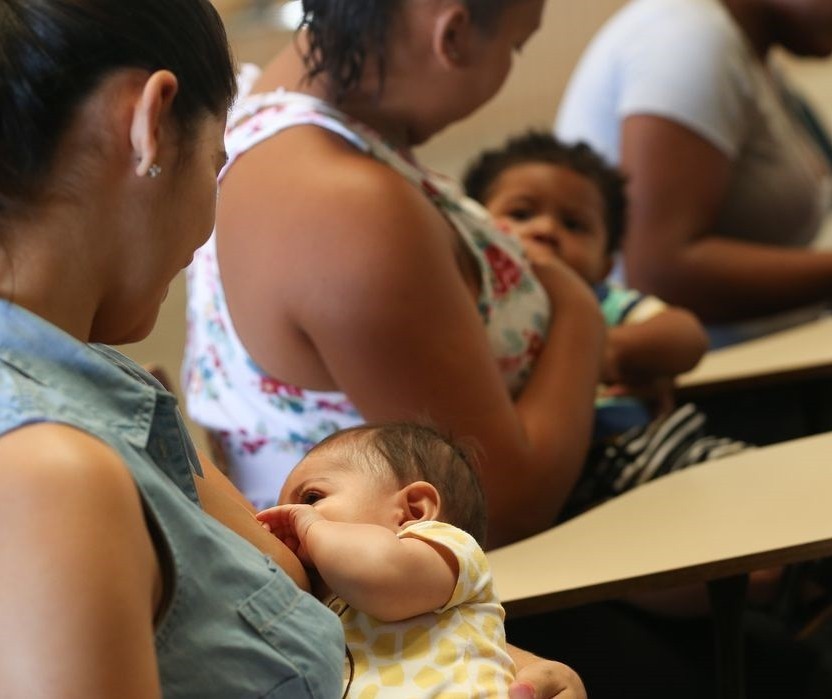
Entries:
{"x":420,"y":501}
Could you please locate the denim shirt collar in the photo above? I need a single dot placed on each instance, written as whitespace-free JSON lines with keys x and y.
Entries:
{"x":59,"y":361}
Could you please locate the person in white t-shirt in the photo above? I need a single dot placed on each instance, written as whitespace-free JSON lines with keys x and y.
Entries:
{"x":728,"y":170}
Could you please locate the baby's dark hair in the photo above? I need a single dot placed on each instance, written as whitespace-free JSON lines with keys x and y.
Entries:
{"x":417,"y":452}
{"x":542,"y":147}
{"x":53,"y":54}
{"x":344,"y":34}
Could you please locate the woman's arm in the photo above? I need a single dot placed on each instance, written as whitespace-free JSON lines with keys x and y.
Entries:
{"x":677,"y":182}
{"x":362,"y":291}
{"x":81,"y":581}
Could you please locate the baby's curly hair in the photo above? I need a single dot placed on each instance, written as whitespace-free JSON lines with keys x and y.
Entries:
{"x":542,"y":147}
{"x":418,"y":452}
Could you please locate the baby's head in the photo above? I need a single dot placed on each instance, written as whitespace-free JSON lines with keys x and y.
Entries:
{"x":563,"y":197}
{"x":390,"y":474}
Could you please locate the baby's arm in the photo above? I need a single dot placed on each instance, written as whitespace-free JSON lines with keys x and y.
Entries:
{"x":662,"y":346}
{"x":367,"y":565}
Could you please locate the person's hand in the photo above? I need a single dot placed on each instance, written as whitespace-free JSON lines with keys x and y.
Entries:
{"x":538,"y":249}
{"x":611,"y":374}
{"x":546,"y":679}
{"x":563,"y":285}
{"x":290,"y":524}
{"x":657,"y":393}
{"x":540,"y":254}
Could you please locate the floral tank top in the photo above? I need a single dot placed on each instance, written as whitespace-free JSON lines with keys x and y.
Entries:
{"x":266,"y":425}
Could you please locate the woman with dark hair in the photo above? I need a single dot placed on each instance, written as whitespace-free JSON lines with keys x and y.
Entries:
{"x":356,"y":285}
{"x":116,"y":583}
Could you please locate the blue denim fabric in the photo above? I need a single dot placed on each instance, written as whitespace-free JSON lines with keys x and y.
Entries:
{"x":236,"y":625}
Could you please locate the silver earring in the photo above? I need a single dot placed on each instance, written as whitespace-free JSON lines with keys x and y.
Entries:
{"x":154,"y":171}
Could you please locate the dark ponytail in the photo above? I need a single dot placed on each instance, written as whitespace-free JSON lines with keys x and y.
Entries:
{"x":344,"y":34}
{"x":53,"y":53}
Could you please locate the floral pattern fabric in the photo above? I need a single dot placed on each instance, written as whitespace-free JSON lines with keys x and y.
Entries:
{"x":266,"y":425}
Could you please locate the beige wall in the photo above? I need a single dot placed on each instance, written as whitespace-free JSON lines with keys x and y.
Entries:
{"x":529,"y":99}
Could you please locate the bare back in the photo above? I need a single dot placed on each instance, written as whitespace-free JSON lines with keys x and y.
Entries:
{"x":361,"y":287}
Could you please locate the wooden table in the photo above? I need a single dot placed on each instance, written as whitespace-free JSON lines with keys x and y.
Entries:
{"x":799,"y":353}
{"x":712,"y":523}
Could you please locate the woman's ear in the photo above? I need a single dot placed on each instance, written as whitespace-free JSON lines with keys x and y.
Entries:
{"x":420,"y":501}
{"x":153,"y":105}
{"x":452,"y":36}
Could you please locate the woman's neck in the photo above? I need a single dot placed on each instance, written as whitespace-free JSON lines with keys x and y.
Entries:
{"x":364,"y":103}
{"x":34,"y":273}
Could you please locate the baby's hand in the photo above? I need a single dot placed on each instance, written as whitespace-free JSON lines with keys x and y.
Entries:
{"x":543,"y":254}
{"x":290,"y":523}
{"x":658,"y":393}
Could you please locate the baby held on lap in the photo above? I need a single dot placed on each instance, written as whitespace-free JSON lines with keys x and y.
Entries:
{"x":388,"y":519}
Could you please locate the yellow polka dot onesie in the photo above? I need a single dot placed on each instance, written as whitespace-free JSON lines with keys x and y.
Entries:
{"x":455,"y":652}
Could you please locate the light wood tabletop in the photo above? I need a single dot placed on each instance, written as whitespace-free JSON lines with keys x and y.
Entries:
{"x":802,"y":352}
{"x":764,"y":507}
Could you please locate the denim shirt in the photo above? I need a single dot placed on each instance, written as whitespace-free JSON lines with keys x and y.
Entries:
{"x":235,"y":626}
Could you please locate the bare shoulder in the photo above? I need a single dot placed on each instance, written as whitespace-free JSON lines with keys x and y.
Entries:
{"x":61,"y":451}
{"x":59,"y":484}
{"x":308,"y":185}
{"x":381,"y":245}
{"x":87,"y":579}
{"x":329,"y":241}
{"x":58,"y":467}
{"x":308,"y":206}
{"x":387,"y":221}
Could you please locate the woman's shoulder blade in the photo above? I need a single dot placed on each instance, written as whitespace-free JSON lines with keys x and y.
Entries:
{"x":352,"y":201}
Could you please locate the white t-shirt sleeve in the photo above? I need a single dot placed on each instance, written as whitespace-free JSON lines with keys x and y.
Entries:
{"x":691,"y":72}
{"x":684,"y":60}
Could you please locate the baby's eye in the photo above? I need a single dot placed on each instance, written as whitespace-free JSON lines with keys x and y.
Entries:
{"x":520,"y":214}
{"x":310,"y":497}
{"x":574,"y":224}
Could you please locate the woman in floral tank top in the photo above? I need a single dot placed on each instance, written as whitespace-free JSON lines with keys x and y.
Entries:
{"x":344,"y":282}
